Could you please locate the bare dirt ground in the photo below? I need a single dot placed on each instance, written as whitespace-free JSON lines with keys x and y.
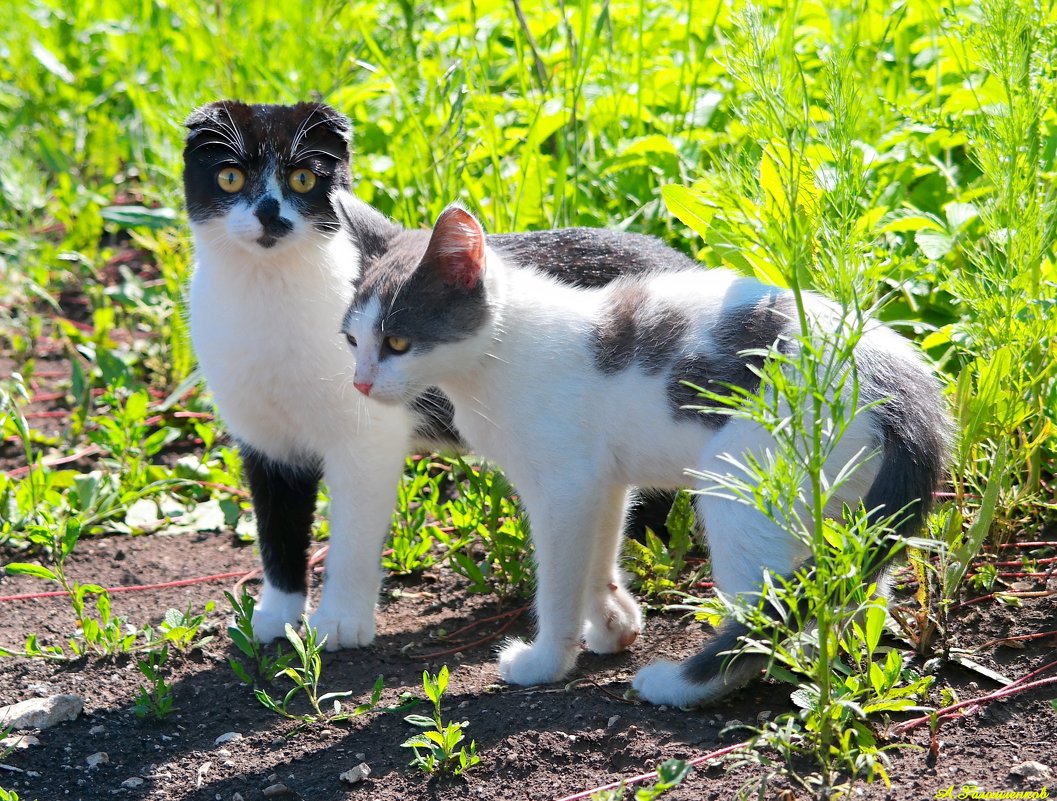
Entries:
{"x":538,"y":743}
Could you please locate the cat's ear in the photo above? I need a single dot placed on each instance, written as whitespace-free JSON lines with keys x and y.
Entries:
{"x":202,"y":118}
{"x":457,"y":248}
{"x":207,"y":118}
{"x":334,"y":121}
{"x":368,"y":228}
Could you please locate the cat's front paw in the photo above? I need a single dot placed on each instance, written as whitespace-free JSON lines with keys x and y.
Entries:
{"x":268,"y":626}
{"x":616,"y":624}
{"x":343,"y":632}
{"x":273,"y":611}
{"x":538,"y":663}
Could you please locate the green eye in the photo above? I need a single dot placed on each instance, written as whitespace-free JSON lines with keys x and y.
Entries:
{"x":398,"y":344}
{"x":302,"y":180}
{"x":231,"y":179}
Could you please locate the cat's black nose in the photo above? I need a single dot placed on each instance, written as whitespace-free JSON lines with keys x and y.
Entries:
{"x":267,"y":212}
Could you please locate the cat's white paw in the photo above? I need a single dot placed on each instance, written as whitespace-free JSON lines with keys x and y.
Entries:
{"x":616,"y":625}
{"x":268,"y":626}
{"x":273,"y":611}
{"x":663,"y":683}
{"x":343,"y":632}
{"x":538,"y":663}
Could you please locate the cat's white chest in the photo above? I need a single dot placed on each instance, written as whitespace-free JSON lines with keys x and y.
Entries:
{"x":268,"y":340}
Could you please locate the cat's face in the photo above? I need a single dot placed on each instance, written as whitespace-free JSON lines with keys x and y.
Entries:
{"x":420,"y":310}
{"x":259,"y":177}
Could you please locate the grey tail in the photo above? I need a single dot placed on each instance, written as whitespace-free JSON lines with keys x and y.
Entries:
{"x":915,"y":437}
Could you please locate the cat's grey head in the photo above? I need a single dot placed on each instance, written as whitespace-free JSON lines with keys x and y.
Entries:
{"x":260,"y":176}
{"x":421,"y":303}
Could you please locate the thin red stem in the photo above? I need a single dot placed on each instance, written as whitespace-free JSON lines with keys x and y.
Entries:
{"x":645,"y":777}
{"x":130,"y":588}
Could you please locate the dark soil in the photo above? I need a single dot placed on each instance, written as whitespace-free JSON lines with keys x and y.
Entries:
{"x":541,"y":743}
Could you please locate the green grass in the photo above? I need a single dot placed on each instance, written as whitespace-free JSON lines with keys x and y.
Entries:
{"x":897,"y":155}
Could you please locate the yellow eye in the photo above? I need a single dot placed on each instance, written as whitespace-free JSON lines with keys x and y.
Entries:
{"x":231,"y":179}
{"x":398,"y":344}
{"x":302,"y":180}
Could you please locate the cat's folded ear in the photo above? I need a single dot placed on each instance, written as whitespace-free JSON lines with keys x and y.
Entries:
{"x":368,"y":228}
{"x":334,"y":121}
{"x":207,"y":116}
{"x":456,"y":248}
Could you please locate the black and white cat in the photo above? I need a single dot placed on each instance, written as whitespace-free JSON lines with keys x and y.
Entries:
{"x":579,"y":393}
{"x":272,"y":280}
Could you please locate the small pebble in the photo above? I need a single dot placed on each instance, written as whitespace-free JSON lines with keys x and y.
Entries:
{"x":97,"y":759}
{"x":1031,"y":770}
{"x":612,"y":721}
{"x":19,"y":741}
{"x":97,"y":730}
{"x":356,"y":774}
{"x":276,"y":791}
{"x":132,"y":783}
{"x":227,"y":737}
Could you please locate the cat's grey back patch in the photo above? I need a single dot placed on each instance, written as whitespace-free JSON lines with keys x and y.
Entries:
{"x":755,"y":326}
{"x":634,"y":330}
{"x":588,"y":257}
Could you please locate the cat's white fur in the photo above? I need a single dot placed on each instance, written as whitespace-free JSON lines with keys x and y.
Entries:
{"x":265,"y":323}
{"x":529,"y":396}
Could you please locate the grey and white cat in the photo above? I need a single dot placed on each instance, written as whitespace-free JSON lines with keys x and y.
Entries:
{"x":272,"y":280}
{"x":579,"y":393}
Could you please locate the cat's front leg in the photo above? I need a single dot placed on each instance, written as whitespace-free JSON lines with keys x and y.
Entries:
{"x":284,"y":502}
{"x":563,"y":518}
{"x":363,"y":480}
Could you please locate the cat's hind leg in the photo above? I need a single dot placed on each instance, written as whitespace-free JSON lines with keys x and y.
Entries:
{"x":742,"y":543}
{"x":614,"y":620}
{"x":284,"y":502}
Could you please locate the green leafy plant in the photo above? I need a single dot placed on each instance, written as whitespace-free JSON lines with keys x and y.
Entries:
{"x":670,"y":774}
{"x":417,"y":501}
{"x":304,"y":669}
{"x":438,"y":748}
{"x":156,"y":699}
{"x":263,"y":666}
{"x":489,"y":543}
{"x":101,"y":633}
{"x":181,"y":629}
{"x":660,"y":567}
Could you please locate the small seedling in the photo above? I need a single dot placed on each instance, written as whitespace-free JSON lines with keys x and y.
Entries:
{"x":305,"y":669}
{"x":156,"y":699}
{"x":437,"y":748}
{"x":262,"y":667}
{"x":670,"y":774}
{"x":101,"y":634}
{"x":182,"y":628}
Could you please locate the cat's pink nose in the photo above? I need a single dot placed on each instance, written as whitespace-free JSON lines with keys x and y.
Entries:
{"x":363,"y":386}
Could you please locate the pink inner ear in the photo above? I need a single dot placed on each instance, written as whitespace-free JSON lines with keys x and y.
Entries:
{"x":457,"y":247}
